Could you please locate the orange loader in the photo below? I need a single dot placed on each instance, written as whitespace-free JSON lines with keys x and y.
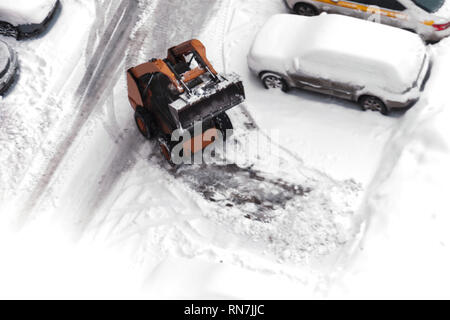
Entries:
{"x":178,"y":93}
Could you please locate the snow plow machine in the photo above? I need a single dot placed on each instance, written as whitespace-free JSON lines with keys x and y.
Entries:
{"x":180,"y":92}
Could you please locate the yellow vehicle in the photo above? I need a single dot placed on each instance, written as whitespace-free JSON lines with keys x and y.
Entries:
{"x":429,"y":18}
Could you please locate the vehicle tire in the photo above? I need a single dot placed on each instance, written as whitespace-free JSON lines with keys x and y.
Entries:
{"x":273,"y":81}
{"x":374,"y":104}
{"x":144,"y":122}
{"x":166,"y":152}
{"x":410,"y":30}
{"x":305,"y":9}
{"x":223,"y":123}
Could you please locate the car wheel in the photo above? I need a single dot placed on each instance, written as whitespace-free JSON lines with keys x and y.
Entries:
{"x":410,"y":30}
{"x":223,"y":123}
{"x":8,"y":67}
{"x":305,"y":9}
{"x":273,"y":81}
{"x":144,"y":123}
{"x":374,"y":104}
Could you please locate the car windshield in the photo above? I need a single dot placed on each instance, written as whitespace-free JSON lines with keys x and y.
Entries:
{"x":429,"y":5}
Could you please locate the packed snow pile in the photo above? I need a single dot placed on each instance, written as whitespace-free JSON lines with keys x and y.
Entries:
{"x":21,"y":12}
{"x":375,"y":55}
{"x":405,"y":250}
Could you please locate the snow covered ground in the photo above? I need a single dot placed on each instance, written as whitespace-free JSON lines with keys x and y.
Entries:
{"x":405,"y":246}
{"x":89,"y":208}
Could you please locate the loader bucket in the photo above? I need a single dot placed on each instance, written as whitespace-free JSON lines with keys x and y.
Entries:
{"x":226,"y":95}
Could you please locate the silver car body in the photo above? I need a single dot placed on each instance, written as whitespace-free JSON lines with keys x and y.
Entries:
{"x":404,"y":14}
{"x":388,"y":63}
{"x":8,"y":66}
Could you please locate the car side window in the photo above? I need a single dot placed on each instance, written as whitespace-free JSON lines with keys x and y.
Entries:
{"x":391,"y":4}
{"x":386,"y":4}
{"x":368,"y":2}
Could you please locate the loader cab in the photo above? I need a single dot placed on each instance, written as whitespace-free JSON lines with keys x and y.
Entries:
{"x":191,"y":61}
{"x":192,"y":68}
{"x":185,"y":62}
{"x":157,"y":93}
{"x":156,"y":88}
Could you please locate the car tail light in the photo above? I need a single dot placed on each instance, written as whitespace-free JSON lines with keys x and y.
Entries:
{"x":441,"y":27}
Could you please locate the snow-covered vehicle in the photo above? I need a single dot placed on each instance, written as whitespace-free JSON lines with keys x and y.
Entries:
{"x":429,"y":18}
{"x":385,"y":69}
{"x":8,"y":66}
{"x":26,"y":18}
{"x":178,"y":93}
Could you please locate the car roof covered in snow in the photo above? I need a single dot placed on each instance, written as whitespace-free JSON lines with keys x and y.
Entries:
{"x":22,"y":12}
{"x":318,"y":44}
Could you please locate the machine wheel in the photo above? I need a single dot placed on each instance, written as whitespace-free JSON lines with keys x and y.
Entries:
{"x":305,"y":9}
{"x":273,"y":81}
{"x":167,"y":151}
{"x":374,"y":104}
{"x":144,"y":122}
{"x":223,"y":123}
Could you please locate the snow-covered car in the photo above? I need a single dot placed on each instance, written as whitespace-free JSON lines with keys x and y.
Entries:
{"x":26,"y":18}
{"x":8,"y":66}
{"x":385,"y":69}
{"x":429,"y":18}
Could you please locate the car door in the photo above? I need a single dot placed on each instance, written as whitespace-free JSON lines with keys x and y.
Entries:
{"x":348,"y":8}
{"x":395,"y":13}
{"x":390,"y":12}
{"x":307,"y":82}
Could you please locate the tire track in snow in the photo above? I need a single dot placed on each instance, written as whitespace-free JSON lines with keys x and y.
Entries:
{"x":39,"y":101}
{"x":94,"y":88}
{"x":142,"y":47}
